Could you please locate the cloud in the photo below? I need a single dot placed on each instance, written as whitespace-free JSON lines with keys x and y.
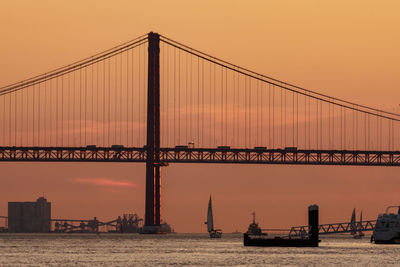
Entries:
{"x":106,"y":182}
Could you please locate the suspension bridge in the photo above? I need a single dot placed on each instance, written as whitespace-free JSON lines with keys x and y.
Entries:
{"x":157,"y":101}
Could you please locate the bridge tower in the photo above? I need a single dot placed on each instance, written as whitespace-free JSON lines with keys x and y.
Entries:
{"x":153,"y":183}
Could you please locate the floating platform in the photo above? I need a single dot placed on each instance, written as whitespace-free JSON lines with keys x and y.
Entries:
{"x":310,"y":240}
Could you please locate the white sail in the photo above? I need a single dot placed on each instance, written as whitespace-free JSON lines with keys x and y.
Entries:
{"x":210,"y":223}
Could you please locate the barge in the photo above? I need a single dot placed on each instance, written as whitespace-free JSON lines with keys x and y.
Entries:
{"x":307,"y":240}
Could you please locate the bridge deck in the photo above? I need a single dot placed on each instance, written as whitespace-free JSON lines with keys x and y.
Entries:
{"x":203,"y":155}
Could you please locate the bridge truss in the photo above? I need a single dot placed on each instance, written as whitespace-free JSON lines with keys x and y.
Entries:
{"x":203,"y":155}
{"x":335,"y":228}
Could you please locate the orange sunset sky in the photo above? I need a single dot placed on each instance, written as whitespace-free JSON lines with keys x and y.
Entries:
{"x":346,"y":49}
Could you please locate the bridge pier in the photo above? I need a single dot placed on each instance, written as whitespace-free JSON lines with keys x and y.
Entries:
{"x":153,"y":182}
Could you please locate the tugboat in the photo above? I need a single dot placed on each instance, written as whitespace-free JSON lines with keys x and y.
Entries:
{"x":387,"y":227}
{"x":310,"y":240}
{"x":214,"y":233}
{"x":254,"y":229}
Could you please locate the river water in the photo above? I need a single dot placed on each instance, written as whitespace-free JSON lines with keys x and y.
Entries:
{"x":183,"y":249}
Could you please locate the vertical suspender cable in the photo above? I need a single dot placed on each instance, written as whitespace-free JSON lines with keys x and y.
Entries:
{"x":167,"y":96}
{"x":329,"y":125}
{"x":15,"y":117}
{"x":282,"y":144}
{"x":297,"y":120}
{"x":293,"y":106}
{"x":92,"y":134}
{"x":120,"y":98}
{"x":179,"y":96}
{"x":57,"y":100}
{"x":92,"y":86}
{"x":209,"y":109}
{"x":257,"y":113}
{"x":39,"y":104}
{"x":345,"y":131}
{"x":269,"y":116}
{"x":250,"y":108}
{"x":109,"y":104}
{"x":377,"y":130}
{"x":333,"y":126}
{"x":222,"y":106}
{"x":273,"y":116}
{"x":139,"y":97}
{"x":238,"y":109}
{"x":115,"y":122}
{"x":215,"y":105}
{"x":317,"y":121}
{"x":198,"y":100}
{"x":80,"y":107}
{"x":321,"y":124}
{"x":62,"y":110}
{"x":46,"y":130}
{"x":4,"y":119}
{"x":33,"y":118}
{"x":245,"y":111}
{"x":104,"y":104}
{"x":341,"y":127}
{"x":305,"y":119}
{"x":174,"y":85}
{"x":226,"y":106}
{"x":186,"y":98}
{"x":261,"y":109}
{"x":380,"y":129}
{"x":68,"y":107}
{"x":309,"y":121}
{"x":133,"y":98}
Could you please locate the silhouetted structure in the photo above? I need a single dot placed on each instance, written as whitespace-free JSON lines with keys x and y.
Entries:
{"x":153,"y":183}
{"x":29,"y":217}
{"x":130,"y":223}
{"x":307,"y":240}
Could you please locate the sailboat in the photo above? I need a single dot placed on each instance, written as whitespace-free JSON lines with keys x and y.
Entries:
{"x":360,"y":233}
{"x":353,"y":225}
{"x":214,"y":233}
{"x":356,"y":229}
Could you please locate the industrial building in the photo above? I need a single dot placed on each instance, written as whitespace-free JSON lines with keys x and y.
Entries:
{"x":29,"y":217}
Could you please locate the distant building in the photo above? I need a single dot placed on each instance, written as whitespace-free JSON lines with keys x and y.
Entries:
{"x":29,"y":217}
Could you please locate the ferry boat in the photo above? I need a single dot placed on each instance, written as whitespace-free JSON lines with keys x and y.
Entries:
{"x":214,"y":233}
{"x":387,"y":227}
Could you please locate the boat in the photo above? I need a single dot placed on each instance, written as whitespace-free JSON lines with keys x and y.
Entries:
{"x":253,"y":228}
{"x":356,"y":228}
{"x":307,"y":240}
{"x":214,"y":233}
{"x":359,"y":233}
{"x":387,"y":227}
